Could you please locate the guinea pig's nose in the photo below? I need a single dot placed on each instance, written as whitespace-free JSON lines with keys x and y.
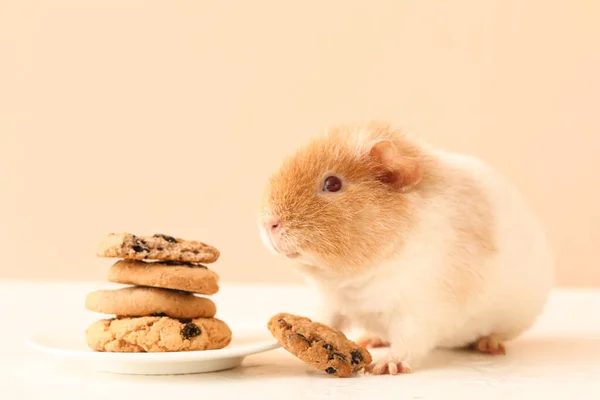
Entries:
{"x":273,"y":224}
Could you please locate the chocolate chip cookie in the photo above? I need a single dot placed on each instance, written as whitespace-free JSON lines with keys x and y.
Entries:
{"x":157,"y":334}
{"x":177,"y":275}
{"x":138,"y":301}
{"x":319,"y":345}
{"x":157,"y":247}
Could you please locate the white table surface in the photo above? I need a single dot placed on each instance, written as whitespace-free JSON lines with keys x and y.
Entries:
{"x":558,"y":359}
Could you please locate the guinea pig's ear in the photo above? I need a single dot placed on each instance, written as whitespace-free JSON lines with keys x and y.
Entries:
{"x":400,"y":172}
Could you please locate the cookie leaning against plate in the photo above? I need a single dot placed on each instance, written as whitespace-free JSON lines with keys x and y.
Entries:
{"x":318,"y":345}
{"x":157,"y":334}
{"x":139,"y":301}
{"x":157,"y":247}
{"x":165,"y":274}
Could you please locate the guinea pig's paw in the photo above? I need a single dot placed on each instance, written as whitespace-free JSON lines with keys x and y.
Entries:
{"x":389,"y":366}
{"x":490,"y":344}
{"x":371,"y":341}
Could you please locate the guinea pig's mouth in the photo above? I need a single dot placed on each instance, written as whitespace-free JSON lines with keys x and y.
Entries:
{"x":285,"y":252}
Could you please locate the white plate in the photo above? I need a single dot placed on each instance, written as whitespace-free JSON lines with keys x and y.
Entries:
{"x":72,"y":347}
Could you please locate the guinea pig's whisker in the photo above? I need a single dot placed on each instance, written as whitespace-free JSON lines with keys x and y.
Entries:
{"x":303,"y":225}
{"x":313,"y":226}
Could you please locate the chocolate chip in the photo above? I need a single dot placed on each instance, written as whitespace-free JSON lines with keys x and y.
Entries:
{"x":327,"y":346}
{"x":158,"y":315}
{"x":190,"y":330}
{"x":301,"y":336}
{"x":168,"y":238}
{"x":330,"y":370}
{"x":139,"y":244}
{"x":140,"y":249}
{"x":356,"y":356}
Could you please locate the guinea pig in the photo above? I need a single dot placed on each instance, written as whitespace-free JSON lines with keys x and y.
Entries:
{"x":418,"y":247}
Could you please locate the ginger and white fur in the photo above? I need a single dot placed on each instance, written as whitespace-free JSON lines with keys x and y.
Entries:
{"x":422,"y":249}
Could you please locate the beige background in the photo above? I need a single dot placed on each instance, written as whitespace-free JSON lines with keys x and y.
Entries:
{"x":168,"y":116}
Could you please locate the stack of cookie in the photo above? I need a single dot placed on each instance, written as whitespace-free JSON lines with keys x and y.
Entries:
{"x":160,"y":312}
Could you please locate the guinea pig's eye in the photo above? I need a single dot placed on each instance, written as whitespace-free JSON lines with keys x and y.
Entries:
{"x":332,"y":184}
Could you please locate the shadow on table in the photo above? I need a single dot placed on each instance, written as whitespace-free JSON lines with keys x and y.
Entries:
{"x":566,"y":352}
